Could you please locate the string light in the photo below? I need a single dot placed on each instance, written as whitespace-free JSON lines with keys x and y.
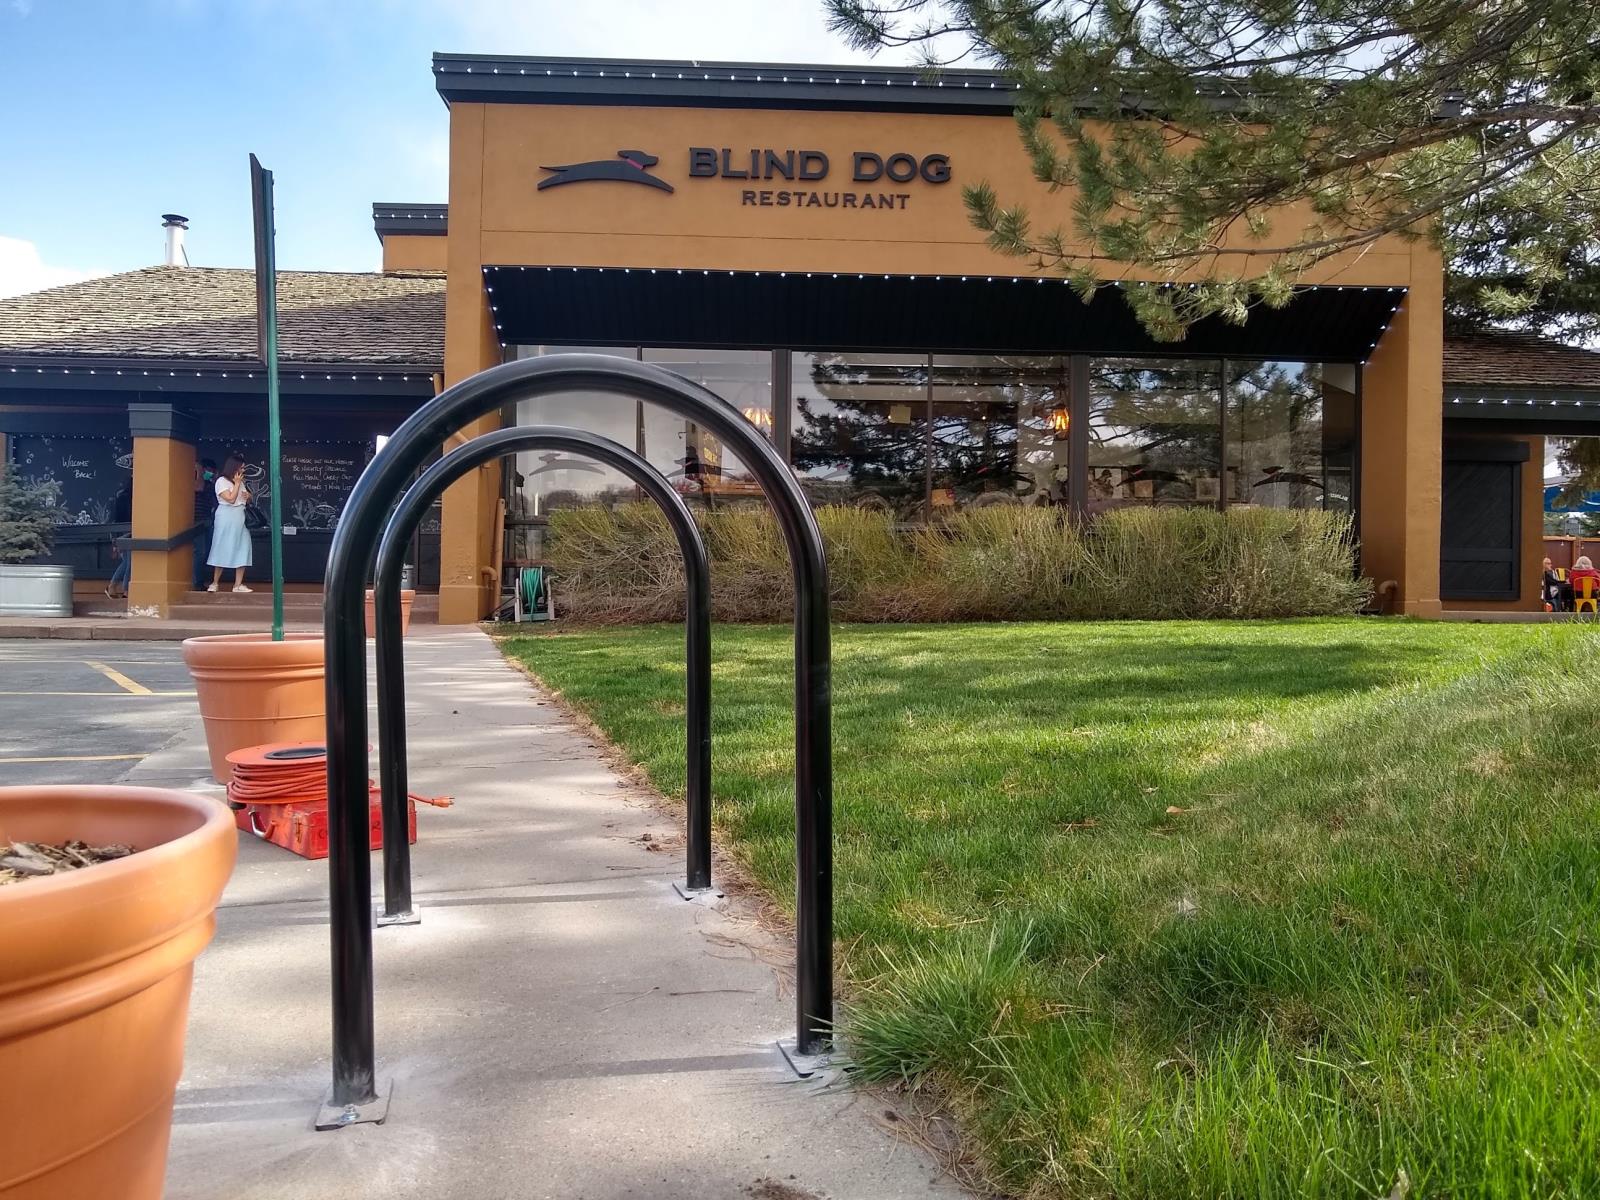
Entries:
{"x":491,"y":270}
{"x":901,"y":79}
{"x":174,"y":374}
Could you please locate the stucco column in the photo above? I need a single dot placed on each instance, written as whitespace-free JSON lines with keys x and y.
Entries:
{"x":163,"y":505}
{"x":1532,"y":574}
{"x":1402,"y":441}
{"x":467,"y":588}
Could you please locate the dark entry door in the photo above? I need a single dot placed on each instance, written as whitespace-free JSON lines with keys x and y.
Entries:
{"x":1480,"y":553}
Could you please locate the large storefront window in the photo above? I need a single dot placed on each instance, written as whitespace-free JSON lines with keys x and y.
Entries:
{"x":693,"y":459}
{"x":1155,"y":432}
{"x":1341,"y":432}
{"x":859,"y":430}
{"x":1290,"y":434}
{"x":1000,"y":426}
{"x":917,"y":435}
{"x":546,"y":480}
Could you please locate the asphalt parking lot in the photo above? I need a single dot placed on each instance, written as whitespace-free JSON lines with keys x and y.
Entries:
{"x":87,"y":712}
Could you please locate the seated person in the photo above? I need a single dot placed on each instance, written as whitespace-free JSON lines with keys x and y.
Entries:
{"x":1554,"y":590}
{"x":1581,"y":570}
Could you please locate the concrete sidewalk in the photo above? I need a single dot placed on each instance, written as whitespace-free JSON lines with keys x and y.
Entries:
{"x":561,"y":1024}
{"x":109,"y":627}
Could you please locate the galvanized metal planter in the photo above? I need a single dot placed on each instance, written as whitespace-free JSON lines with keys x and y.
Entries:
{"x":27,"y":590}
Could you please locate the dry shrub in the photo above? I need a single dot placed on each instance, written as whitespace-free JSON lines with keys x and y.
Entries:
{"x":999,"y":563}
{"x":617,"y":564}
{"x":871,"y":565}
{"x":1003,"y":563}
{"x":749,"y":565}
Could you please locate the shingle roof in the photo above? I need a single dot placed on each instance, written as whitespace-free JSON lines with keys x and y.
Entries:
{"x":366,"y":317}
{"x":1518,"y":360}
{"x":210,"y":313}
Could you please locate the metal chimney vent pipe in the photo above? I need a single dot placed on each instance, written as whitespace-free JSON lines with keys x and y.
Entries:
{"x":175,"y":226}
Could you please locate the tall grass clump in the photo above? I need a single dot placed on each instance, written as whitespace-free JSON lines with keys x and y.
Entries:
{"x":1005,"y":562}
{"x":619,"y":564}
{"x":1249,"y":562}
{"x":871,"y":567}
{"x":986,"y":564}
{"x":749,"y":564}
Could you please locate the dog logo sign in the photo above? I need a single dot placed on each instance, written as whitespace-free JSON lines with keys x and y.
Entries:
{"x":629,"y":166}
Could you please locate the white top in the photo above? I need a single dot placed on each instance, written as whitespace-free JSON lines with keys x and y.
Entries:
{"x":222,"y":486}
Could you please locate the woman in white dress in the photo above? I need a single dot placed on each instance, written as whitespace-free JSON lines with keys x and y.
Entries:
{"x":230,"y":540}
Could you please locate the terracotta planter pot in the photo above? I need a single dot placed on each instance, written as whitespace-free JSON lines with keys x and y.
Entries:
{"x":253,"y":690}
{"x":406,"y":597}
{"x":94,"y":997}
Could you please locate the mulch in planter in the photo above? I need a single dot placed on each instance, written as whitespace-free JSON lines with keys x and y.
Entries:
{"x":22,"y":861}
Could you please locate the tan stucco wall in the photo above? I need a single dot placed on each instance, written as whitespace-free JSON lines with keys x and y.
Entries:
{"x":466,"y":590}
{"x":498,"y":216}
{"x":703,"y":223}
{"x":1402,"y":440}
{"x":403,"y":252}
{"x":163,"y":504}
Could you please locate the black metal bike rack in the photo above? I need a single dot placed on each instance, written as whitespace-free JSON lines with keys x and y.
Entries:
{"x":398,"y":908}
{"x":355,"y":1095}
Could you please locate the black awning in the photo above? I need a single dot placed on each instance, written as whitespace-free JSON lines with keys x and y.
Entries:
{"x":948,"y":314}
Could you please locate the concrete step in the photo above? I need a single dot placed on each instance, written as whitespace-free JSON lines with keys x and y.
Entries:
{"x":297,"y":606}
{"x":259,"y":594}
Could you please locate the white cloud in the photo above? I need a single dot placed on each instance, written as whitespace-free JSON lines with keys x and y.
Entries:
{"x":23,"y":270}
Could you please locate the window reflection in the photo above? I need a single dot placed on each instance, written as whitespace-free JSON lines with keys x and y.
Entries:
{"x":1154,"y":432}
{"x":916,"y":435}
{"x":1000,"y":425}
{"x":1291,"y":434}
{"x":859,"y":430}
{"x":545,"y":480}
{"x":692,"y":458}
{"x":1340,"y":433}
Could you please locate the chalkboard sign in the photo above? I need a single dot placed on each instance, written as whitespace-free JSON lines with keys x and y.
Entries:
{"x":317,"y":479}
{"x":90,"y":471}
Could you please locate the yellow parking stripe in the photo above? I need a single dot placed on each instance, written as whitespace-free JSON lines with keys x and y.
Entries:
{"x":73,"y":758}
{"x":118,"y":678}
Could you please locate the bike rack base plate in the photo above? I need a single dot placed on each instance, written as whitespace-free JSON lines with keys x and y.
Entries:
{"x":341,"y":1116}
{"x":807,"y":1066}
{"x":704,"y":895}
{"x":413,"y":917}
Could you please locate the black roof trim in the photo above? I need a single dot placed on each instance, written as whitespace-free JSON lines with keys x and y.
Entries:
{"x":427,"y":220}
{"x":1545,"y":420}
{"x":1488,"y":400}
{"x":130,"y":373}
{"x":701,"y":83}
{"x":675,"y":83}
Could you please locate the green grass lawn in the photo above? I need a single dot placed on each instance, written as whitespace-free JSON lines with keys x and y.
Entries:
{"x":1272,"y":909}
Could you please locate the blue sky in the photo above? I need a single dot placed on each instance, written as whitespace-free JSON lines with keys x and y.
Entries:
{"x":116,"y":111}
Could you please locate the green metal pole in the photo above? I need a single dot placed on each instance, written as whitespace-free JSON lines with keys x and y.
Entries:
{"x":269,"y":290}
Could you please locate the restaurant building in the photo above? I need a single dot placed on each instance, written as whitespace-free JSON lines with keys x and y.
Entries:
{"x":794,"y":238}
